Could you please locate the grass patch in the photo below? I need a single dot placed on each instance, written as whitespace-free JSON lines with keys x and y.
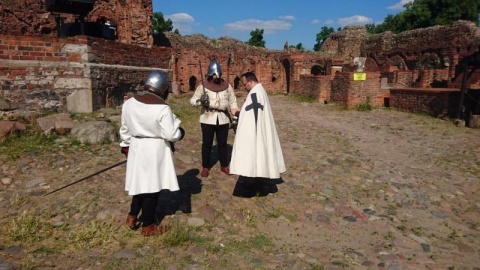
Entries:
{"x":303,"y":98}
{"x":256,"y":242}
{"x":180,"y":234}
{"x":365,"y":106}
{"x":27,"y":143}
{"x":94,"y":234}
{"x":27,"y":228}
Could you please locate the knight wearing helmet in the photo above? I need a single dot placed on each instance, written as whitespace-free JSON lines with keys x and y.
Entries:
{"x":148,"y":130}
{"x":218,"y":102}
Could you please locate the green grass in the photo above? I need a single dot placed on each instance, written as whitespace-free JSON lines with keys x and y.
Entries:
{"x":93,"y":234}
{"x":303,"y":98}
{"x":27,"y":229}
{"x":27,"y":143}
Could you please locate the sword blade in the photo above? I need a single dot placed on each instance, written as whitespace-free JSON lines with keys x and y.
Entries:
{"x":88,"y":176}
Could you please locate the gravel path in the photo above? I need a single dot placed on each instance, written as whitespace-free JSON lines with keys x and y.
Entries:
{"x":363,"y":190}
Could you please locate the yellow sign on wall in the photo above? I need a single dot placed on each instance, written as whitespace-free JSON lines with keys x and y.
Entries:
{"x":359,"y":76}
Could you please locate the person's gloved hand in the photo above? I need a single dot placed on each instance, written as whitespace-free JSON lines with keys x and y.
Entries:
{"x":124,"y":151}
{"x":183,"y":133}
{"x":204,"y":100}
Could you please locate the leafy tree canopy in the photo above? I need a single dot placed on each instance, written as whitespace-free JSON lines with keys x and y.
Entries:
{"x":299,"y":47}
{"x":322,"y":36}
{"x":426,"y":13}
{"x":160,"y":25}
{"x":256,"y":38}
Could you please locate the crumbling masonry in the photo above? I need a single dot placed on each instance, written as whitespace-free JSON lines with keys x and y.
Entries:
{"x":432,"y":70}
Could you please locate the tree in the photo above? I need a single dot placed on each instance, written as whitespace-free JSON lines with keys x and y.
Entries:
{"x":299,"y":47}
{"x":322,"y":36}
{"x":426,"y":13}
{"x":159,"y":24}
{"x":256,"y":38}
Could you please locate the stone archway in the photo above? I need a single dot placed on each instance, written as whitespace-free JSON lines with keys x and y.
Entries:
{"x":192,"y":83}
{"x":236,"y":83}
{"x":287,"y":68}
{"x":318,"y":70}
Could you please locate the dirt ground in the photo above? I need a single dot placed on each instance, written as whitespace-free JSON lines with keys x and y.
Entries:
{"x":378,"y":189}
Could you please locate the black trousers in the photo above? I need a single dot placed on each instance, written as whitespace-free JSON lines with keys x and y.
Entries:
{"x":208,"y":132}
{"x":147,"y":203}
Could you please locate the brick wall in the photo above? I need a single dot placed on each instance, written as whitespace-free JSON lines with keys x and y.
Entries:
{"x":352,"y":93}
{"x":30,"y":17}
{"x":435,"y":102}
{"x":317,"y":87}
{"x":77,"y":74}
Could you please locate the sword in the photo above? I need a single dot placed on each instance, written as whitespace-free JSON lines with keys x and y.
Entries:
{"x":88,"y":176}
{"x":204,"y":96}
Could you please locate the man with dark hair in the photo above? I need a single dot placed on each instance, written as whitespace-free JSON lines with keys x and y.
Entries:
{"x":256,"y":150}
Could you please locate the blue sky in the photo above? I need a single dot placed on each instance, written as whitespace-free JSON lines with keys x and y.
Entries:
{"x":282,"y":20}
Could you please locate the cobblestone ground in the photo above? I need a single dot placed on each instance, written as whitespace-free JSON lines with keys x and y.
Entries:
{"x":363,"y":190}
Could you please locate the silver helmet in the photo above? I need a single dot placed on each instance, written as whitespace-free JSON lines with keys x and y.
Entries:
{"x":156,"y":81}
{"x":214,"y":68}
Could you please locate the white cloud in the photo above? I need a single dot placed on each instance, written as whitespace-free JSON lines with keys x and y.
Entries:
{"x":269,"y":27}
{"x":181,"y":21}
{"x":315,"y":21}
{"x":400,"y":4}
{"x":329,"y":22}
{"x":354,"y":20}
{"x":288,"y":18}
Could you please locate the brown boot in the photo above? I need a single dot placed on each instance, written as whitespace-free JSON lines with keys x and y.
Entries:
{"x":225,"y":170}
{"x":204,"y":172}
{"x":154,"y":229}
{"x":132,"y":222}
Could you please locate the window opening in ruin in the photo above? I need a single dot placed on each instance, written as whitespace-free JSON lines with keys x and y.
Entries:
{"x":192,"y":83}
{"x":318,"y":70}
{"x":236,"y":83}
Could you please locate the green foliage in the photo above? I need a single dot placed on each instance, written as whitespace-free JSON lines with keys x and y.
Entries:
{"x":94,"y":234}
{"x":180,"y":234}
{"x":322,"y":36}
{"x":27,"y":229}
{"x":365,"y":106}
{"x":299,"y":47}
{"x":426,"y":13}
{"x":30,"y":142}
{"x":256,"y":38}
{"x":256,"y":242}
{"x":160,"y":25}
{"x":303,"y":98}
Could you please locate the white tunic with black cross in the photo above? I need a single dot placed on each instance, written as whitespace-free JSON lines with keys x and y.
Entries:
{"x":256,"y":149}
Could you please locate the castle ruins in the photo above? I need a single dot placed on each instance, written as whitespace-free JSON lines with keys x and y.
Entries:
{"x":81,"y":62}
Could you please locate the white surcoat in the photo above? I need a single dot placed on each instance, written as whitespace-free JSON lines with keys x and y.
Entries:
{"x":148,"y":129}
{"x":256,"y":149}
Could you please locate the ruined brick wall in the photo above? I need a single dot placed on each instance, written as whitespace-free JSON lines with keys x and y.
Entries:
{"x":317,"y":87}
{"x":33,"y":71}
{"x":434,"y":48}
{"x":116,"y":68}
{"x":30,"y":17}
{"x":77,"y":74}
{"x":346,"y":43}
{"x":435,"y":102}
{"x":352,"y":93}
{"x":233,"y":56}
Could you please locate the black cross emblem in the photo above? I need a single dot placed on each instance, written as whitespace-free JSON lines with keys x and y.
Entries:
{"x":255,"y":106}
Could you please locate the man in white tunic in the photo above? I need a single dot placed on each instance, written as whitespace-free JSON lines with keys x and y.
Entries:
{"x":148,"y":130}
{"x":256,"y":150}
